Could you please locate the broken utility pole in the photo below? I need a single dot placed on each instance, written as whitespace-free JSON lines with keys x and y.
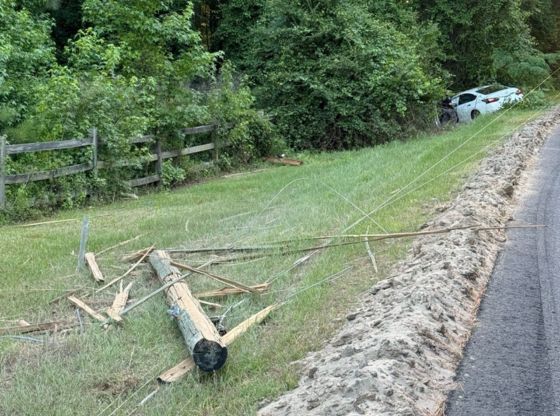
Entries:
{"x":203,"y":341}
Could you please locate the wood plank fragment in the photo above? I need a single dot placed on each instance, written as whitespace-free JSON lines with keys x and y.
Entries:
{"x":94,"y":267}
{"x":119,"y":303}
{"x":35,"y":224}
{"x":86,"y":308}
{"x":184,"y":367}
{"x":211,"y":304}
{"x":222,"y":279}
{"x":201,"y":336}
{"x":45,"y":326}
{"x":284,"y":161}
{"x":227,"y":291}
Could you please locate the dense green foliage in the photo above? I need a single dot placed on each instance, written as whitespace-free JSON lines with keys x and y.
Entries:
{"x":327,"y":84}
{"x":330,"y":74}
{"x":340,"y":74}
{"x":131,"y":69}
{"x":544,"y":21}
{"x":486,"y":41}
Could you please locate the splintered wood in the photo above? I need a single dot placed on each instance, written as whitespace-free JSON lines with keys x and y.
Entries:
{"x":184,"y":367}
{"x":284,"y":161}
{"x":42,"y":327}
{"x":119,"y":303}
{"x":118,"y":279}
{"x":201,"y":336}
{"x":227,"y":291}
{"x":94,"y":268}
{"x":221,"y":279}
{"x":137,"y":254}
{"x":87,"y":309}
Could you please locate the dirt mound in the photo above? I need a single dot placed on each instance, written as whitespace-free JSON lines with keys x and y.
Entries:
{"x":398,"y":353}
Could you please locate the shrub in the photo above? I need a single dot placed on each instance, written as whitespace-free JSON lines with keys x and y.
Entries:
{"x":334,"y":76}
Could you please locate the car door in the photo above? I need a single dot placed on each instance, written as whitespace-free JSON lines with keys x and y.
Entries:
{"x":465,"y":106}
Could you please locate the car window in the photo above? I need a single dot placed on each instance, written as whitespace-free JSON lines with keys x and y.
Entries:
{"x":491,"y":89}
{"x":466,"y":98}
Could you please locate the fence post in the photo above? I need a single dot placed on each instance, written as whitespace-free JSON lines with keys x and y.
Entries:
{"x":215,"y":152}
{"x":159,"y":161}
{"x":94,"y":146}
{"x":2,"y":172}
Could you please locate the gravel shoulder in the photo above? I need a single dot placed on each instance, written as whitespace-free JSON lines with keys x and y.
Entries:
{"x":399,"y":351}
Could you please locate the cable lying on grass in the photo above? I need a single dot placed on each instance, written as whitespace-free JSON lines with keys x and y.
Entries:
{"x":283,"y":247}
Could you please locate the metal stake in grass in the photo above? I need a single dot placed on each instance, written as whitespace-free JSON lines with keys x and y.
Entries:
{"x":83,"y":243}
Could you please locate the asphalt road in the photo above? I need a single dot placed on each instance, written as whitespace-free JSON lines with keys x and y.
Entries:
{"x":512,"y":362}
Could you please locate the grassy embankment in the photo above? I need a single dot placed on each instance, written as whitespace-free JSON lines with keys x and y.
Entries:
{"x":105,"y":373}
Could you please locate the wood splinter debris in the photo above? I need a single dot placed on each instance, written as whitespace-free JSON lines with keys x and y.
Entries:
{"x":221,"y":279}
{"x":112,"y":282}
{"x":87,"y":309}
{"x":42,"y":327}
{"x":137,"y":254}
{"x":226,"y":291}
{"x":119,"y":303}
{"x":284,"y":161}
{"x":94,"y":267}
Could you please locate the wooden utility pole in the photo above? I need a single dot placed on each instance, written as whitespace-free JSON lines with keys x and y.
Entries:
{"x":203,"y":341}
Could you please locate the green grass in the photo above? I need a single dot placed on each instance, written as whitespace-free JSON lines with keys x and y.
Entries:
{"x":105,"y":373}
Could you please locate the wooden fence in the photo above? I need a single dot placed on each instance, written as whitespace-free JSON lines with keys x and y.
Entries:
{"x":94,"y":164}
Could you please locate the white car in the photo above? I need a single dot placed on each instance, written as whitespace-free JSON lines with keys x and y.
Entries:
{"x":482,"y":100}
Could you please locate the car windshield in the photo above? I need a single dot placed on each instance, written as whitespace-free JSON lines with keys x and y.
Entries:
{"x":491,"y":89}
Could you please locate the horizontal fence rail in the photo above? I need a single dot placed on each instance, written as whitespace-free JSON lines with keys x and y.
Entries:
{"x":50,"y":174}
{"x":159,"y":156}
{"x":14,"y":149}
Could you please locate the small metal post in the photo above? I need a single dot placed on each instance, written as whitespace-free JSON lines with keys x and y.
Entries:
{"x":83,"y":244}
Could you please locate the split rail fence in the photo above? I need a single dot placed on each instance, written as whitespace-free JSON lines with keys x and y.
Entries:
{"x":6,"y":150}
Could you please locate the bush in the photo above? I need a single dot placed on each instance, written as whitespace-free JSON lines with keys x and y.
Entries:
{"x":336,"y":77}
{"x":139,"y":69}
{"x":244,"y":133}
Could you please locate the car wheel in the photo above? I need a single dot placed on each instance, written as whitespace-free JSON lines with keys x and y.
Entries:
{"x":475,"y":114}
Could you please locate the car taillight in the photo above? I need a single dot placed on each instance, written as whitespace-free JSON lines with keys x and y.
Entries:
{"x":518,"y":92}
{"x":490,"y":100}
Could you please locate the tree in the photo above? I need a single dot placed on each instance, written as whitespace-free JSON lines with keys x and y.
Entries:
{"x":485,"y":41}
{"x":544,"y":20}
{"x":26,"y":55}
{"x":335,"y":76}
